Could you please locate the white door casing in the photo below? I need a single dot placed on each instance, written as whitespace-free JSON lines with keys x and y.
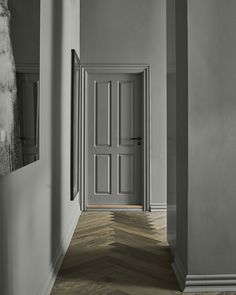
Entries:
{"x":116,"y":108}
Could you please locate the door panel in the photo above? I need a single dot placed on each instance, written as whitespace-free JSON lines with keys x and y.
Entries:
{"x":126,"y":112}
{"x":126,"y":174}
{"x":114,"y":161}
{"x":102,"y":114}
{"x":102,"y":180}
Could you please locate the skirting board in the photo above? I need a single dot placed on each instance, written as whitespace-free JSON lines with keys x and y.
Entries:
{"x":114,"y":208}
{"x":158,"y":207}
{"x":50,"y":279}
{"x":204,"y":283}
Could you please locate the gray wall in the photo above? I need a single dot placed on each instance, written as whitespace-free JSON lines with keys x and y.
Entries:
{"x":134,"y":31}
{"x":205,"y":145}
{"x":177,"y":131}
{"x":36,"y":214}
{"x":181,"y":132}
{"x":171,"y":123}
{"x":212,"y":136}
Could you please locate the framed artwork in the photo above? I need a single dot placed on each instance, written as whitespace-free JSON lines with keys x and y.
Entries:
{"x":75,"y":124}
{"x":19,"y":85}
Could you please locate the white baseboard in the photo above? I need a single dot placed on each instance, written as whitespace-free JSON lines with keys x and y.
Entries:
{"x":113,"y":210}
{"x":204,"y":283}
{"x":158,"y":207}
{"x":50,"y":279}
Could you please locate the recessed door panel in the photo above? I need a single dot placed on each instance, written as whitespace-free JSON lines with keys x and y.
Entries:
{"x":102,"y":174}
{"x":114,"y":139}
{"x":102,"y":114}
{"x":126,"y":112}
{"x":126,"y":174}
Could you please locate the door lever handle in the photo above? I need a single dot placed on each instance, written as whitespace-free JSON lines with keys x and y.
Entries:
{"x":136,"y":138}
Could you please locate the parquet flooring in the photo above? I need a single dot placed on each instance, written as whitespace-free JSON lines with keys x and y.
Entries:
{"x":118,"y":253}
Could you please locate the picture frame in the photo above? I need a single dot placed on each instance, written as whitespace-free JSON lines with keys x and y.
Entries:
{"x":75,"y":124}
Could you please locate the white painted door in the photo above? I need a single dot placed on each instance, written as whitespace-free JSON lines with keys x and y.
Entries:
{"x":114,"y":139}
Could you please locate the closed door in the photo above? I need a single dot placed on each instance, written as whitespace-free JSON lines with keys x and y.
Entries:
{"x":114,"y":139}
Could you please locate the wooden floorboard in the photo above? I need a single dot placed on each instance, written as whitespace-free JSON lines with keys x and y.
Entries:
{"x":118,"y":253}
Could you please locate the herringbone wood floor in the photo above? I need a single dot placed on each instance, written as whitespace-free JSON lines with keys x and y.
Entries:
{"x":118,"y":253}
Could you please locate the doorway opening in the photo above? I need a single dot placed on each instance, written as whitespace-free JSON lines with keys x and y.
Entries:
{"x":115,"y":137}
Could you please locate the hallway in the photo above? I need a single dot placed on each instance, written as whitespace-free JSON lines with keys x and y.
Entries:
{"x":118,"y":253}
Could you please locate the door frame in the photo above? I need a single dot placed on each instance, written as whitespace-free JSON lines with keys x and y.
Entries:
{"x":145,"y":70}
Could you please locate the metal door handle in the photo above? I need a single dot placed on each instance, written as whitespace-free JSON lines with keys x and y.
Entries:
{"x":136,"y":138}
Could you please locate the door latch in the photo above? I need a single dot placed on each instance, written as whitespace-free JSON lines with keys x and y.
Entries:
{"x":136,"y":138}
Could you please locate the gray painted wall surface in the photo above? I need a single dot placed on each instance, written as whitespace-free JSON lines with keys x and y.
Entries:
{"x":171,"y":124}
{"x":170,"y":38}
{"x":181,"y":133}
{"x":36,"y":214}
{"x":212,"y":136}
{"x":134,"y":31}
{"x":206,"y":141}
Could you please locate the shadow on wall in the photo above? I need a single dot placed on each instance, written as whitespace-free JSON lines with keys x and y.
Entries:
{"x":4,"y":261}
{"x":56,"y":95}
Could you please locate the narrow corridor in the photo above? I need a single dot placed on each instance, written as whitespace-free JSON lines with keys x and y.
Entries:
{"x":118,"y":253}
